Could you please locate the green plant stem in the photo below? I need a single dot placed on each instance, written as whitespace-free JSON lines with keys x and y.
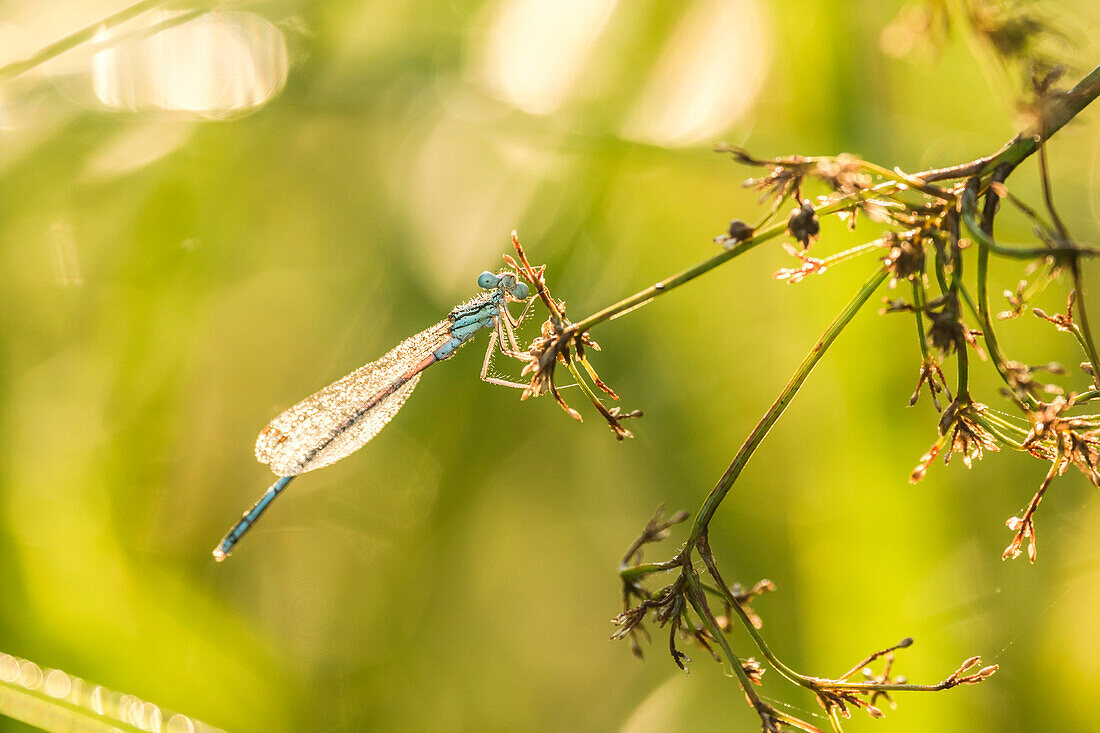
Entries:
{"x":1012,"y":154}
{"x":969,"y":215}
{"x":918,"y":307}
{"x":1057,"y":114}
{"x":906,"y":181}
{"x":889,"y":686}
{"x":1079,"y":336}
{"x":941,"y":272}
{"x":851,"y":253}
{"x":985,"y":316}
{"x":634,"y":573}
{"x":962,"y":389}
{"x":71,"y":41}
{"x":997,"y":433}
{"x":703,"y":545}
{"x":969,"y":301}
{"x":1083,"y":317}
{"x":697,"y":597}
{"x":969,"y":209}
{"x":710,"y":506}
{"x":1002,"y":429}
{"x":582,"y":383}
{"x":643,"y":297}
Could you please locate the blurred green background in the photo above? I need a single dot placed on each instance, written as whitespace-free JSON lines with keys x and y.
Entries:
{"x":202,"y":225}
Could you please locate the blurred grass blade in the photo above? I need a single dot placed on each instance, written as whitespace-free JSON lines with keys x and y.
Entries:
{"x":56,"y":701}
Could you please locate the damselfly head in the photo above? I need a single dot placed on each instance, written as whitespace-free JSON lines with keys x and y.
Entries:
{"x":508,"y":283}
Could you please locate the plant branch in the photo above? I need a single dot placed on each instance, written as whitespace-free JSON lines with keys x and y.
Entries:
{"x":1062,"y":109}
{"x":1082,"y":315}
{"x":643,"y":297}
{"x":968,"y":204}
{"x":986,"y":228}
{"x":768,"y":715}
{"x":703,"y":545}
{"x":710,"y":506}
{"x":928,"y":227}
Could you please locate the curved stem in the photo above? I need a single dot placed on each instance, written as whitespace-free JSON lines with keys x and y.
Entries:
{"x":996,"y":431}
{"x":698,"y":599}
{"x":941,"y":271}
{"x":1083,"y":317}
{"x":703,"y":546}
{"x":710,"y":506}
{"x":962,"y":389}
{"x":918,"y":312}
{"x":969,"y":217}
{"x":969,"y":204}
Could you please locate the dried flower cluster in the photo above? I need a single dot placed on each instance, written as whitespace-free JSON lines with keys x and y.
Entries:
{"x":933,"y":227}
{"x":929,"y":229}
{"x":560,"y":341}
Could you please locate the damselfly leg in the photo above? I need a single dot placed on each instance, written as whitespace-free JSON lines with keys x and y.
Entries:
{"x":504,"y":336}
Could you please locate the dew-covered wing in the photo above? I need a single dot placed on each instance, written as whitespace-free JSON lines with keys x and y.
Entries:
{"x":342,"y":417}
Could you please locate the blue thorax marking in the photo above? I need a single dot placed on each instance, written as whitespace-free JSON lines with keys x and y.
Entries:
{"x":469,"y":318}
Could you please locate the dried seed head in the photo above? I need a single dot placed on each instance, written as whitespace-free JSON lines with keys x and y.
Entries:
{"x":906,"y":256}
{"x":843,"y":173}
{"x":754,"y":670}
{"x":803,"y":224}
{"x":968,"y":438}
{"x":946,"y":333}
{"x":739,"y":230}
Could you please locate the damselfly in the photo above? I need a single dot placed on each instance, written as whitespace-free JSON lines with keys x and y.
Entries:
{"x":344,"y":416}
